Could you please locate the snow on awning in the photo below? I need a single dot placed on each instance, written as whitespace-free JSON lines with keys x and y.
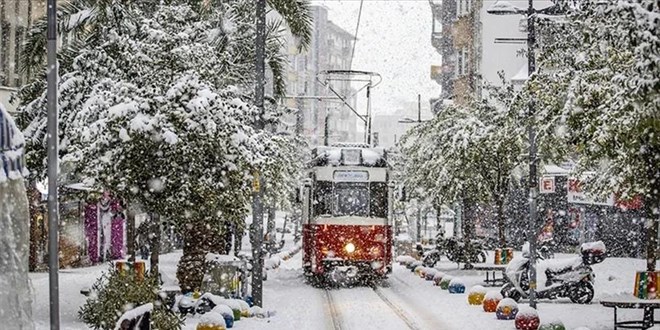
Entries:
{"x":522,"y":74}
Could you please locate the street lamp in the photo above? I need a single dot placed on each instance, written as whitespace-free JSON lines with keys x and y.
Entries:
{"x":506,"y":8}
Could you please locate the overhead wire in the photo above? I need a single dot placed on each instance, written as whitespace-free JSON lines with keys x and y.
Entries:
{"x":357,"y":28}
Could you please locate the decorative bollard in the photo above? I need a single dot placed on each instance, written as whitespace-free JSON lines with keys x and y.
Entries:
{"x":503,"y":256}
{"x":430,"y":273}
{"x":646,"y":285}
{"x":456,"y":285}
{"x":552,"y":325}
{"x":437,"y":278}
{"x":476,"y":295}
{"x":444,"y":284}
{"x":506,"y":309}
{"x":527,"y":319}
{"x":491,"y":300}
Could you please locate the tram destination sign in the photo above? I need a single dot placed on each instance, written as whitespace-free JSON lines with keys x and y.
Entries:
{"x":351,"y":176}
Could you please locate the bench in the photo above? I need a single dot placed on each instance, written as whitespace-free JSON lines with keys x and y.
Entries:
{"x":631,"y":302}
{"x":491,"y":269}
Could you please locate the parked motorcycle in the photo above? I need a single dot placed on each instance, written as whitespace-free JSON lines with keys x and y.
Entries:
{"x":456,"y":250}
{"x":572,"y":278}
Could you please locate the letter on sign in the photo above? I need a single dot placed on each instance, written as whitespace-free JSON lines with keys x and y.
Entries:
{"x":547,"y":185}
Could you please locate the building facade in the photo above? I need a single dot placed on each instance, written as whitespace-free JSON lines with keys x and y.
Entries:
{"x":456,"y":36}
{"x":330,"y":49}
{"x":16,"y":19}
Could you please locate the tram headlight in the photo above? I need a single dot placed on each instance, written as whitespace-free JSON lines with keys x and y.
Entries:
{"x":350,"y":247}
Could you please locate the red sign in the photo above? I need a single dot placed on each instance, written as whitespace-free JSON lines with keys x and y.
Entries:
{"x":628,"y":204}
{"x":547,"y":185}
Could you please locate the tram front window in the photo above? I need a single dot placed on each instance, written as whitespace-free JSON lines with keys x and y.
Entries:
{"x":352,"y":199}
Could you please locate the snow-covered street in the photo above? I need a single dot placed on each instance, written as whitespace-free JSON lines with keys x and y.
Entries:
{"x":403,"y":301}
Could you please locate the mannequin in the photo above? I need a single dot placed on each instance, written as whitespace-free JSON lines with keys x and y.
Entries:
{"x":15,"y":293}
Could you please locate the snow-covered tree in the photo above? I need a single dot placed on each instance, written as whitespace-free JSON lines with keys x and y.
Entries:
{"x":156,"y":108}
{"x":466,"y":154}
{"x":602,"y":65}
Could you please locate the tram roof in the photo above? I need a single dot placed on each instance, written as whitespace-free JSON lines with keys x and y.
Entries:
{"x":348,"y":156}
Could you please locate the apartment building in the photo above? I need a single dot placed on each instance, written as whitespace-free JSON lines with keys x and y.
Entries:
{"x":16,"y":19}
{"x":455,"y":35}
{"x":330,"y":50}
{"x":475,"y":47}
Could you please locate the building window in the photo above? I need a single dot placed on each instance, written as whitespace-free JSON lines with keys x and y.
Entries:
{"x":463,"y":7}
{"x":462,"y":60}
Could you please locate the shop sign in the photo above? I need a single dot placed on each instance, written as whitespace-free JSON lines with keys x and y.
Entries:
{"x":547,"y":185}
{"x":578,"y":196}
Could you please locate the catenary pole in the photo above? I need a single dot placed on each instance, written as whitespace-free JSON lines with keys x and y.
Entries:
{"x":257,"y":196}
{"x":53,"y":207}
{"x":533,"y":182}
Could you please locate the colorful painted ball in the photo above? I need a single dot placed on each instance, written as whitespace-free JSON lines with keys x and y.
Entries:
{"x":444,"y":284}
{"x":527,"y":319}
{"x":554,"y":325}
{"x":418,"y":270}
{"x":491,"y":299}
{"x":476,"y":295}
{"x":456,"y":286}
{"x":430,"y":273}
{"x":438,"y":277}
{"x":507,"y":309}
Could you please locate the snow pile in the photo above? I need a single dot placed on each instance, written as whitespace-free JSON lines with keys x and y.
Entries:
{"x":456,"y":281}
{"x":478,"y":289}
{"x":213,"y":319}
{"x":134,"y":314}
{"x":405,"y":259}
{"x":223,"y":310}
{"x":272,"y":262}
{"x":372,"y":156}
{"x":597,"y":246}
{"x":526,"y":311}
{"x":493,"y":295}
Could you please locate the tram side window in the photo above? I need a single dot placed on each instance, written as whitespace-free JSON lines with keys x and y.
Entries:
{"x":322,"y":203}
{"x":378,"y":199}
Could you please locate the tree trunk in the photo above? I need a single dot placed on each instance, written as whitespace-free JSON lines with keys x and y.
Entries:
{"x":130,"y":233}
{"x":270,"y":225}
{"x":155,"y":243}
{"x":501,"y":222}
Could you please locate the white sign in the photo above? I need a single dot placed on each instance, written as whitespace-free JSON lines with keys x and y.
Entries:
{"x":577,"y":196}
{"x":547,"y":185}
{"x":351,"y":176}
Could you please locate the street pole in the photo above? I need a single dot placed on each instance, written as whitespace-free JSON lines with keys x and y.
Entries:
{"x":257,"y":196}
{"x":53,"y":149}
{"x":533,"y":182}
{"x":419,"y":108}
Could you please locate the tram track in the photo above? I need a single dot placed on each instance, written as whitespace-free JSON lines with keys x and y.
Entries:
{"x":334,"y":312}
{"x":398,"y":311}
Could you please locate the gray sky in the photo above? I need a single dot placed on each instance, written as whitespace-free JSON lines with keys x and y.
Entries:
{"x":394,"y":39}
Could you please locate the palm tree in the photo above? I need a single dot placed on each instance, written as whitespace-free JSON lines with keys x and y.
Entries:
{"x":83,"y":22}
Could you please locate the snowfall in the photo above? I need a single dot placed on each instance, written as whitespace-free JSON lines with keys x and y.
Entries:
{"x":403,"y":301}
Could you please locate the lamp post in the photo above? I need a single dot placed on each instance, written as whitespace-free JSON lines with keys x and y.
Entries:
{"x":418,"y":223}
{"x":257,"y":230}
{"x":53,"y":148}
{"x":506,"y":8}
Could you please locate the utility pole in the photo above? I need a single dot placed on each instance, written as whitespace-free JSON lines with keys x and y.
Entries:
{"x":53,"y":150}
{"x":257,"y":195}
{"x":507,"y":9}
{"x":533,"y":182}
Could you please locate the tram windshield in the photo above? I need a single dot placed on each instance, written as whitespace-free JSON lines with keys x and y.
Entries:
{"x":350,"y":199}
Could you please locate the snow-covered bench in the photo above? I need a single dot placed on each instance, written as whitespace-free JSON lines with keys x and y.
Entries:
{"x":629,"y":301}
{"x":491,"y":269}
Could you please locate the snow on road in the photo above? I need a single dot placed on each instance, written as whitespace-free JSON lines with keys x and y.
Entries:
{"x":403,"y":301}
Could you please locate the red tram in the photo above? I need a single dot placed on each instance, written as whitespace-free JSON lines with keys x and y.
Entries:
{"x":347,"y":234}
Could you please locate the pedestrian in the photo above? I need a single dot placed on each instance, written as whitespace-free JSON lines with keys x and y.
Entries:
{"x":15,"y":293}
